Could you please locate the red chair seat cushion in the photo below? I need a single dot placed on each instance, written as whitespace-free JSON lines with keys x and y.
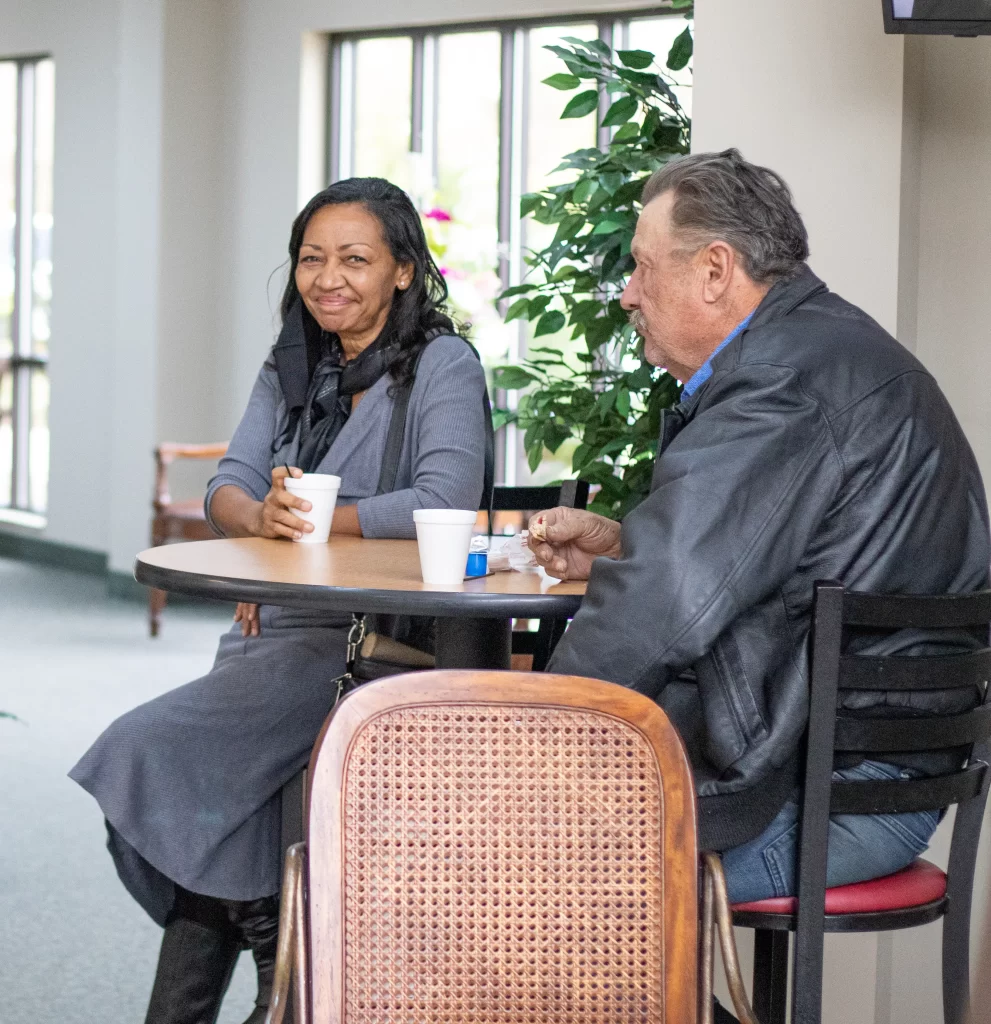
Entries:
{"x":918,"y":884}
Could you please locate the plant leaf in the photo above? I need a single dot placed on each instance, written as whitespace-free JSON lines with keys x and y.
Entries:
{"x":517,"y":309}
{"x":621,"y":111}
{"x":583,"y":190}
{"x":550,"y":323}
{"x":563,"y":81}
{"x":529,"y":202}
{"x":636,"y":59}
{"x":628,"y":133}
{"x":512,"y":378}
{"x":582,"y":104}
{"x":500,"y":417}
{"x":517,"y":289}
{"x":681,"y":51}
{"x":569,"y":227}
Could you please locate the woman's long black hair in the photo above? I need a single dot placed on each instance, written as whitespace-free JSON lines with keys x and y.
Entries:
{"x":419,"y":308}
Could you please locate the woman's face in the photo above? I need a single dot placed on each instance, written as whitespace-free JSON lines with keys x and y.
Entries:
{"x":346,"y":274}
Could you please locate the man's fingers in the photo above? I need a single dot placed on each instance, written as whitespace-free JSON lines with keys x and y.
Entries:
{"x":544,"y":553}
{"x":562,"y":524}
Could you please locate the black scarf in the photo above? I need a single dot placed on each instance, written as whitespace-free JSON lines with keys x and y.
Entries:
{"x":325,"y":406}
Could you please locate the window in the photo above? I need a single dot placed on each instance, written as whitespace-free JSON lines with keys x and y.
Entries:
{"x":27,"y":130}
{"x":458,"y":117}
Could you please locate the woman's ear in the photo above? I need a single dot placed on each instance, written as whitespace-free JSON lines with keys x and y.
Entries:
{"x":404,"y":276}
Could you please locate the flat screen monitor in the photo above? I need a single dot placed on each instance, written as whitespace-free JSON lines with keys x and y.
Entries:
{"x":938,"y":17}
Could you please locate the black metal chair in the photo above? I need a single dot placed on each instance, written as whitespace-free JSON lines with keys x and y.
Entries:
{"x":540,"y":645}
{"x":572,"y":494}
{"x":922,"y":892}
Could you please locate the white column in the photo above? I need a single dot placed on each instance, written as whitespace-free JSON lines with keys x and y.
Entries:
{"x":133,"y":319}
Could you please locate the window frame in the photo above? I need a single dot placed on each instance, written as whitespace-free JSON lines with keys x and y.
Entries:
{"x":612,"y":27}
{"x":24,"y":361}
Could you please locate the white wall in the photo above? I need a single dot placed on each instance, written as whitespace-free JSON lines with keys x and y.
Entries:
{"x":814,"y":90}
{"x":84,"y":44}
{"x":954,"y":307}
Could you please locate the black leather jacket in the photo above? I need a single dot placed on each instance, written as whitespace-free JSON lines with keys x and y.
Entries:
{"x":819,"y":449}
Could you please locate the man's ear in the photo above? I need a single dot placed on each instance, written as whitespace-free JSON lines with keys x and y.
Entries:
{"x":718,"y":260}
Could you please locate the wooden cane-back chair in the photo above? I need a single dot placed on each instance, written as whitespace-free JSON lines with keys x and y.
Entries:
{"x":486,"y":846}
{"x":176,"y":520}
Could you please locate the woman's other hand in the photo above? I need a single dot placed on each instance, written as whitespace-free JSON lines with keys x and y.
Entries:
{"x":247,"y":615}
{"x":275,"y":516}
{"x":565,"y":541}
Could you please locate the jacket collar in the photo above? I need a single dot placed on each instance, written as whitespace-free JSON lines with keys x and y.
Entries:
{"x":786,"y":296}
{"x":782,"y":298}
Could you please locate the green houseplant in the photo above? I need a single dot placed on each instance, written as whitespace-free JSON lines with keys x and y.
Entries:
{"x":594,"y":387}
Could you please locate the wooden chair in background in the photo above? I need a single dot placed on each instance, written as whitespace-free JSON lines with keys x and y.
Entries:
{"x":488,"y":845}
{"x":176,"y":520}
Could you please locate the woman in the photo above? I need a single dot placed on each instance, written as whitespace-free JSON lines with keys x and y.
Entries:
{"x":189,"y":783}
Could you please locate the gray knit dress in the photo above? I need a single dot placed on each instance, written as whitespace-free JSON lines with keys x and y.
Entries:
{"x":189,"y":782}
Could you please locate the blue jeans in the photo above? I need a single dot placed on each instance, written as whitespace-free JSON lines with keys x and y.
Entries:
{"x":861,"y":846}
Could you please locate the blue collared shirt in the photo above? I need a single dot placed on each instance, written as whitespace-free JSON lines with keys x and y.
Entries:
{"x":704,"y":372}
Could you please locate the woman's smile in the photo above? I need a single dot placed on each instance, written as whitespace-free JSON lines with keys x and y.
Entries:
{"x":346,"y":274}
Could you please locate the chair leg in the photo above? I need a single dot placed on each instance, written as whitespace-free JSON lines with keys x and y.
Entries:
{"x":156,"y":605}
{"x":293,"y":813}
{"x":770,"y":976}
{"x":548,"y":637}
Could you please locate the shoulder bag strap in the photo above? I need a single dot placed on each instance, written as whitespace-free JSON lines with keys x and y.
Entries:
{"x":397,"y":433}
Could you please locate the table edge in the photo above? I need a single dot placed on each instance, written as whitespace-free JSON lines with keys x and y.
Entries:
{"x":454,"y":604}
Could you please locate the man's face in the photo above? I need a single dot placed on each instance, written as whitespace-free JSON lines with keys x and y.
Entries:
{"x":664,"y":295}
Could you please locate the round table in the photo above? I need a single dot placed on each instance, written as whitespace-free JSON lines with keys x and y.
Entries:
{"x":355,"y":574}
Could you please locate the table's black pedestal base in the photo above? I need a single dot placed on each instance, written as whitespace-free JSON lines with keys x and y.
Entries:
{"x":474,"y":643}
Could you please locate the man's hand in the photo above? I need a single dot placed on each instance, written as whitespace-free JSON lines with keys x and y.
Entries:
{"x":247,"y":615}
{"x":565,"y":541}
{"x":274,"y":517}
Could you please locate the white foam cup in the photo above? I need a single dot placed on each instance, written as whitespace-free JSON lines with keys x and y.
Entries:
{"x":320,"y":490}
{"x":443,"y":536}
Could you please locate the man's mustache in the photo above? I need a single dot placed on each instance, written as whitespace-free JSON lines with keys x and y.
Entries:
{"x":638,"y":320}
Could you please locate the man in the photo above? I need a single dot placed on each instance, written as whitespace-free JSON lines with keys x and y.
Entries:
{"x":808,"y":445}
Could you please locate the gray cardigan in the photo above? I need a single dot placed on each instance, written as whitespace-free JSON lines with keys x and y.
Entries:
{"x":443,"y":455}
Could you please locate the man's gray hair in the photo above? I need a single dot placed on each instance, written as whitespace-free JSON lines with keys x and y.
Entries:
{"x":722,"y":196}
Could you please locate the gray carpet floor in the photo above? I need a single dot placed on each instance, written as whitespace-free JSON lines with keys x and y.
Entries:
{"x":74,"y":947}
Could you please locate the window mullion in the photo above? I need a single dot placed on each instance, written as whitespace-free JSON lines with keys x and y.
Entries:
{"x":340,"y":149}
{"x":334,"y":100}
{"x":23,"y":262}
{"x":603,"y":135}
{"x":416,"y":95}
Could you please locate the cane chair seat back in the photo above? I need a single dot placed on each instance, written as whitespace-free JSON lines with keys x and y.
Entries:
{"x":480,"y":851}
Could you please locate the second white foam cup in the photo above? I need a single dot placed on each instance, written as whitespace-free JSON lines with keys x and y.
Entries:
{"x":320,"y":490}
{"x":443,"y":536}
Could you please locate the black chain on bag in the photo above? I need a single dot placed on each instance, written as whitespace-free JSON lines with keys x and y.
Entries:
{"x":356,"y":637}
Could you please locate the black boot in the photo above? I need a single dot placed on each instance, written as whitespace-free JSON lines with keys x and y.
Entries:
{"x":721,"y":1015}
{"x":258,"y":924}
{"x":199,"y":951}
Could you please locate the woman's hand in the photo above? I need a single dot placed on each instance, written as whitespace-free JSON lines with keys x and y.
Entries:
{"x":275,"y":517}
{"x":247,"y":615}
{"x":565,"y":541}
